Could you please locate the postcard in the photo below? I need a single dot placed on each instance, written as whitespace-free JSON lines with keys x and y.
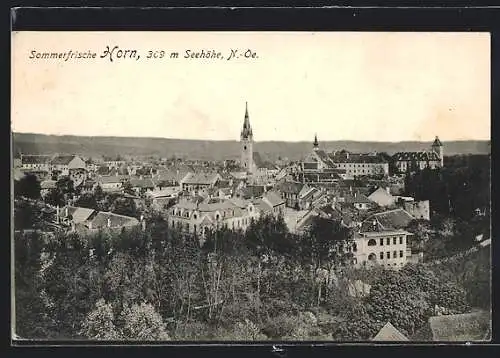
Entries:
{"x":251,"y":186}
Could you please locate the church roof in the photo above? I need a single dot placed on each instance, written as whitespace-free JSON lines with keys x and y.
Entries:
{"x":262,"y":163}
{"x":437,"y":142}
{"x":247,"y":129}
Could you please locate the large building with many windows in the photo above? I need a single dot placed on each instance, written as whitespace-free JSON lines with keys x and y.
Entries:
{"x":412,"y":161}
{"x":195,"y":216}
{"x":382,"y":240}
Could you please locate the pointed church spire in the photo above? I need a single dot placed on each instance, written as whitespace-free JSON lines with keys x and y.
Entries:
{"x":247,"y":129}
{"x":316,"y":144}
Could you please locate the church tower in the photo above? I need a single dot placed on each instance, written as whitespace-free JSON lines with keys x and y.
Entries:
{"x":437,"y":147}
{"x":315,"y":144}
{"x":246,"y":140}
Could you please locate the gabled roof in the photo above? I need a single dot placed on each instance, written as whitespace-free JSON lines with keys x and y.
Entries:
{"x":345,"y":157}
{"x":389,"y":220}
{"x":141,"y":183}
{"x":171,"y":175}
{"x":116,"y":220}
{"x":273,"y":199}
{"x":475,"y":326}
{"x":201,"y":178}
{"x":166,"y":192}
{"x":35,"y":159}
{"x":109,"y":179}
{"x":291,"y":187}
{"x":262,"y":163}
{"x":323,"y":156}
{"x":63,"y":159}
{"x":389,"y":333}
{"x":380,"y":191}
{"x":253,"y":191}
{"x":416,"y":156}
{"x":357,"y":198}
{"x":80,"y":214}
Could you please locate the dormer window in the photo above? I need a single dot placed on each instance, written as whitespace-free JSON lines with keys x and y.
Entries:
{"x":195,"y":216}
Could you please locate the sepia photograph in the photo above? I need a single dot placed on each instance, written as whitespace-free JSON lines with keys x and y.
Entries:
{"x":251,"y":186}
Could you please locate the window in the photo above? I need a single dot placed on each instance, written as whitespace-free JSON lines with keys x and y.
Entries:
{"x":381,"y":242}
{"x":401,"y":253}
{"x":381,"y":255}
{"x":388,"y":254}
{"x":372,"y":242}
{"x":395,"y":254}
{"x":394,"y":241}
{"x":354,"y":247}
{"x":401,"y":240}
{"x":195,"y":216}
{"x":388,"y":241}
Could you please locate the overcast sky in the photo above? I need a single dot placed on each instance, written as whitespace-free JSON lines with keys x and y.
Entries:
{"x":344,"y":86}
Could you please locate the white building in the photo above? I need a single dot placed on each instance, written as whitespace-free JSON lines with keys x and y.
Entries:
{"x":63,"y":164}
{"x":382,"y":240}
{"x":197,"y":217}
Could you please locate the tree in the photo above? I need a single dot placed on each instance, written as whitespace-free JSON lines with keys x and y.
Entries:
{"x":408,"y":298}
{"x":127,"y":188}
{"x":124,"y":206}
{"x":142,"y":322}
{"x":55,"y":197}
{"x":31,"y":319}
{"x":87,"y":200}
{"x":99,"y":323}
{"x":28,"y":186}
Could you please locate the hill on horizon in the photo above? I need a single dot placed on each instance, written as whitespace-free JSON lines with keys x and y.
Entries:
{"x":32,"y":143}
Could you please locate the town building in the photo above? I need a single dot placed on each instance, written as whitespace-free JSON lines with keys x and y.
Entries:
{"x":31,"y":162}
{"x":194,"y":216}
{"x":360,"y":164}
{"x":412,"y":161}
{"x":382,"y":240}
{"x":271,"y":203}
{"x":64,"y":164}
{"x":110,"y":184}
{"x":200,"y":181}
{"x":382,"y":197}
{"x":318,"y":167}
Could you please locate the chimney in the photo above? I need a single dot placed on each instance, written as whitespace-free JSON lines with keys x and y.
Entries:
{"x":388,"y":190}
{"x":90,"y":225}
{"x":109,"y":222}
{"x":72,"y":226}
{"x":66,"y":214}
{"x":57,"y":214}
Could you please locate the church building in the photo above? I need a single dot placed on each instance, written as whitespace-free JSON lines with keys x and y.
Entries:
{"x":252,"y":162}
